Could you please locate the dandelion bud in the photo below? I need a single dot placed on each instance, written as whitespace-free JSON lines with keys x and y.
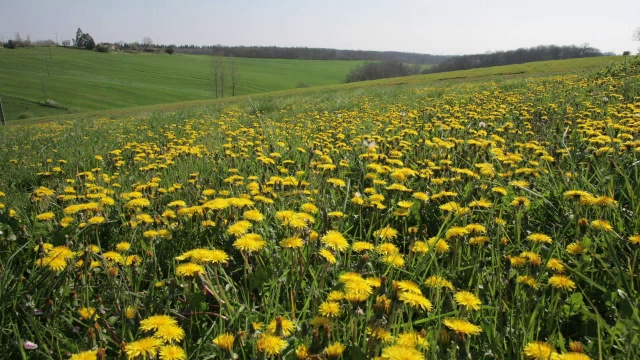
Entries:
{"x":576,"y":346}
{"x":113,"y":271}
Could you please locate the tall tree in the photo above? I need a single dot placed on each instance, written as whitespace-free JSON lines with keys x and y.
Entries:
{"x":215,"y":70}
{"x":222,"y":71}
{"x":80,"y":38}
{"x":233,"y":76}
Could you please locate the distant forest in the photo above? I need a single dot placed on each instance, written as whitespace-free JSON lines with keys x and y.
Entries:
{"x":519,"y":56}
{"x":303,"y":53}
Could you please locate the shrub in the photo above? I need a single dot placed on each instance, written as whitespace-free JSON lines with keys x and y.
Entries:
{"x":52,"y":104}
{"x":102,"y":48}
{"x":25,"y":115}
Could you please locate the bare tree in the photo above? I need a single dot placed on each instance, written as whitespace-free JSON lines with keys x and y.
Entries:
{"x":233,"y":74}
{"x":636,"y":35}
{"x":215,"y":72}
{"x":222,"y":71}
{"x":147,"y":42}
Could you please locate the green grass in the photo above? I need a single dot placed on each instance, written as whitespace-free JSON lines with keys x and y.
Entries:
{"x":542,"y":137}
{"x":83,"y":81}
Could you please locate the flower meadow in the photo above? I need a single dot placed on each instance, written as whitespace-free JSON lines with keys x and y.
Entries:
{"x":484,"y":219}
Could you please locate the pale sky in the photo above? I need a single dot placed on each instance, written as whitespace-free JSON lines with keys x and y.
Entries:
{"x":431,"y":27}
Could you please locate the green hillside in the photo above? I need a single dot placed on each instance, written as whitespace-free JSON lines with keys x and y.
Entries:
{"x":482,"y":214}
{"x":81,"y":81}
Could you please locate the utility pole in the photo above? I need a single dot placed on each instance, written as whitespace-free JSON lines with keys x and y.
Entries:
{"x":44,"y":95}
{"x":4,"y":122}
{"x":47,"y":63}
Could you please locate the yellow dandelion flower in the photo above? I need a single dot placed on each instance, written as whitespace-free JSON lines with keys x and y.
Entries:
{"x":335,"y":240}
{"x":330,"y":309}
{"x":528,"y":280}
{"x":309,"y":208}
{"x":137,"y":203}
{"x":380,"y":334}
{"x":130,"y":312}
{"x":302,"y":352}
{"x":468,"y":300}
{"x":482,"y":203}
{"x":421,"y":196}
{"x":521,"y":200}
{"x":399,"y":352}
{"x":415,"y":300}
{"x":225,"y":341}
{"x":360,"y":246}
{"x":46,"y":216}
{"x":88,"y":313}
{"x":573,"y":356}
{"x":539,"y":350}
{"x":396,"y":260}
{"x":499,"y":190}
{"x":250,"y":242}
{"x":293,"y":242}
{"x":145,"y":348}
{"x":562,"y":282}
{"x":532,"y":258}
{"x":113,"y":257}
{"x":555,"y":265}
{"x":405,"y":204}
{"x":336,"y":182}
{"x":386,"y":233}
{"x":189,"y":269}
{"x":388,"y":249}
{"x":157,"y":321}
{"x":634,"y":239}
{"x":328,"y":255}
{"x":335,"y":296}
{"x":271,"y":345}
{"x":407,"y":285}
{"x":96,"y":220}
{"x":172,"y":352}
{"x":85,"y":355}
{"x":169,"y":333}
{"x":576,"y":248}
{"x":239,"y":228}
{"x":517,"y":261}
{"x":476,"y":229}
{"x":123,"y":246}
{"x":602,"y":225}
{"x":253,"y":215}
{"x":281,"y":326}
{"x":334,"y":350}
{"x":575,"y":194}
{"x":438,"y":281}
{"x":539,"y":238}
{"x":462,"y":326}
{"x":456,"y":231}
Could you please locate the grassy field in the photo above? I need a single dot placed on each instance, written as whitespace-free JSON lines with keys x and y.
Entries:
{"x":83,"y":81}
{"x":482,"y":214}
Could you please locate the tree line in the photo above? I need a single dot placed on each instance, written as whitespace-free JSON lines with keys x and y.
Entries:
{"x":305,"y":53}
{"x":519,"y":56}
{"x":381,"y":70}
